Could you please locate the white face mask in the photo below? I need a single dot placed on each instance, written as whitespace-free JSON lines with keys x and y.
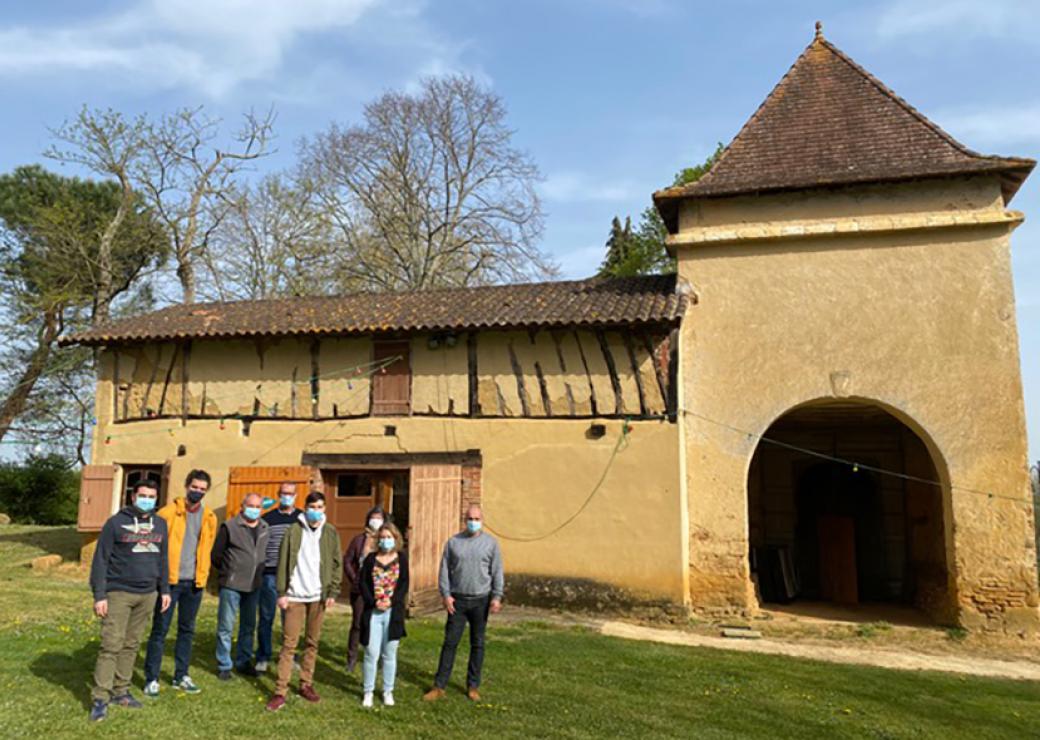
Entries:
{"x":375,"y":524}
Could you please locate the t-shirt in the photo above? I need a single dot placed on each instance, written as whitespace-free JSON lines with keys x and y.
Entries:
{"x":190,"y":545}
{"x":277,"y":524}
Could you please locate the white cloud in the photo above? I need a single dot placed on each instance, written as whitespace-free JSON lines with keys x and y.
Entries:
{"x":993,"y":126}
{"x":212,"y":46}
{"x":571,"y":187}
{"x":970,"y":18}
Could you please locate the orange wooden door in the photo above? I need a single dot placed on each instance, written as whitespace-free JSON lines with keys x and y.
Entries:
{"x":265,"y":480}
{"x":434,"y":502}
{"x":96,"y":493}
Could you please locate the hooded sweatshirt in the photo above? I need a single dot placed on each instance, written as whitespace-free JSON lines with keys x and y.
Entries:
{"x":131,"y":555}
{"x":305,"y":582}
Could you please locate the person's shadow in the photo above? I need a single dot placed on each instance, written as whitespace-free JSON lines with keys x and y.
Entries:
{"x":70,"y":671}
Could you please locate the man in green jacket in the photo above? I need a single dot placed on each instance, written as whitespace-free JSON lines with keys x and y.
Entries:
{"x":309,"y":571}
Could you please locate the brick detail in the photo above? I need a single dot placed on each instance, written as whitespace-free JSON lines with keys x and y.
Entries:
{"x":992,"y":598}
{"x":471,"y":488}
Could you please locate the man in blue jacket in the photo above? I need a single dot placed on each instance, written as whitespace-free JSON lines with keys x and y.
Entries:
{"x":128,"y":572}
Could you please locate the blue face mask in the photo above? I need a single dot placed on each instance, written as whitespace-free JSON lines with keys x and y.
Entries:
{"x":287,"y":500}
{"x":314,"y":516}
{"x":473,"y":527}
{"x":144,"y":505}
{"x":387,"y":543}
{"x":252,"y":513}
{"x":268,"y":502}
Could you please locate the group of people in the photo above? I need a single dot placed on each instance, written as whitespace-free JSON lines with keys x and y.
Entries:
{"x":150,"y":563}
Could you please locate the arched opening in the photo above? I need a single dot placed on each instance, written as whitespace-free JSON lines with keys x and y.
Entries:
{"x":824,"y":530}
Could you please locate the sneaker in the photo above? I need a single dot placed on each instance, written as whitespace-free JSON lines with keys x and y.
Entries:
{"x":127,"y":700}
{"x":151,"y":689}
{"x":307,"y":692}
{"x":98,"y":710}
{"x":186,"y":685}
{"x":388,"y":698}
{"x":246,"y":670}
{"x":472,"y":694}
{"x":224,"y":675}
{"x":366,"y":701}
{"x":276,"y":703}
{"x":434,"y":694}
{"x":261,"y":666}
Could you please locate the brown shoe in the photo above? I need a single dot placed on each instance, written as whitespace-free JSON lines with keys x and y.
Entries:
{"x":473,"y":694}
{"x":307,"y":692}
{"x":276,"y":703}
{"x":433,"y":694}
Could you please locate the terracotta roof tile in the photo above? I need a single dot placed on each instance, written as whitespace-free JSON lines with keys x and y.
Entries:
{"x":593,"y":302}
{"x":830,"y":122}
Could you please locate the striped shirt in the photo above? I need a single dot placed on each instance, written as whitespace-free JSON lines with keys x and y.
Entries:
{"x":278,"y":523}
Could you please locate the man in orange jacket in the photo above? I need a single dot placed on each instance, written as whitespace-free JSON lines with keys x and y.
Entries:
{"x":192,"y":528}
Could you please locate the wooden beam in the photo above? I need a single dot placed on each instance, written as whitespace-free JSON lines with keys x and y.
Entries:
{"x":659,"y":372}
{"x":474,"y":388}
{"x":627,"y":338}
{"x":544,"y":388}
{"x":185,"y":362}
{"x":588,"y":376}
{"x":169,"y":376}
{"x":615,"y":381}
{"x":363,"y":460}
{"x":315,"y":380}
{"x":521,"y":388}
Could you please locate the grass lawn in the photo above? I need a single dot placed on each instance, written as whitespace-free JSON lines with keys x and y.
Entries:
{"x":540,"y":680}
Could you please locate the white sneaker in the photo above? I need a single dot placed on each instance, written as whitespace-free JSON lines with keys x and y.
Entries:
{"x":388,"y":698}
{"x":367,"y":701}
{"x":261,"y":666}
{"x":151,"y":688}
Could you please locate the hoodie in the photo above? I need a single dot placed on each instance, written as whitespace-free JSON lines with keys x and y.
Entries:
{"x":131,"y":555}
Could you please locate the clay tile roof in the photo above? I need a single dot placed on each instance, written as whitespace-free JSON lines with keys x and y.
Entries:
{"x":653,"y":299}
{"x":830,"y":122}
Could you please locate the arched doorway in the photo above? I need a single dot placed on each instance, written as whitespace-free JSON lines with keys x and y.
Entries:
{"x":824,"y":530}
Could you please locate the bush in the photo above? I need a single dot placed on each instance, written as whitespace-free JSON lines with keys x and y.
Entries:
{"x":42,"y":490}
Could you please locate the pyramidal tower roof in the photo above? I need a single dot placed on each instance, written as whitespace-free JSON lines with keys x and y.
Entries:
{"x":830,"y":122}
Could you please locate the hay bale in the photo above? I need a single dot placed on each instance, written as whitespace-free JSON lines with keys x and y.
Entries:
{"x":4,"y":519}
{"x":46,"y":562}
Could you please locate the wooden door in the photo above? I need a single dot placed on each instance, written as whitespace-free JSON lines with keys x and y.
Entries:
{"x":97,"y":490}
{"x":838,"y":578}
{"x":435,"y":502}
{"x":266,"y":481}
{"x":348,"y":497}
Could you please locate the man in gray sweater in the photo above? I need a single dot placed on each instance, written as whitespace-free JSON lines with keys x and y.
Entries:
{"x":471,"y":585}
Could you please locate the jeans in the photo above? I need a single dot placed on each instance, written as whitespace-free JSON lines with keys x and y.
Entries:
{"x":268,"y":606}
{"x":474,"y":610}
{"x":121,"y":631}
{"x":242,"y":604}
{"x":185,"y":598}
{"x":379,"y":643}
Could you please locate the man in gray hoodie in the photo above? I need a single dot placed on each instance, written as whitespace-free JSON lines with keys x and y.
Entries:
{"x":471,"y":584}
{"x":238,"y":558}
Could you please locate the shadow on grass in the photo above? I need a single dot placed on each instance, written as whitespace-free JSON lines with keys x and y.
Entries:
{"x":62,"y":541}
{"x":69,"y":671}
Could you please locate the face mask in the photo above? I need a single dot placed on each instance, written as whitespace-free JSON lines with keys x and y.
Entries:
{"x":375,"y":524}
{"x":252,"y":513}
{"x":287,"y":500}
{"x":473,"y":527}
{"x":387,"y":543}
{"x":314,"y":516}
{"x":268,"y":502}
{"x":144,"y":505}
{"x":194,"y":497}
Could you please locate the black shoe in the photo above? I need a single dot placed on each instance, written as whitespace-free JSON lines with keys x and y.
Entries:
{"x":246,"y":670}
{"x":98,"y":710}
{"x":224,"y":675}
{"x":127,"y":700}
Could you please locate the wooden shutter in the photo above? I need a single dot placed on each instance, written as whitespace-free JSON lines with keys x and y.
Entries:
{"x":97,"y":489}
{"x":265,"y":480}
{"x":392,"y":385}
{"x":435,"y":499}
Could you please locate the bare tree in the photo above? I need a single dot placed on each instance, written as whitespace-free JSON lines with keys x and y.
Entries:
{"x":428,"y":191}
{"x":191,"y":182}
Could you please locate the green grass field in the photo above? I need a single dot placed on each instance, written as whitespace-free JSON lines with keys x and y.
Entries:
{"x":541,"y":681}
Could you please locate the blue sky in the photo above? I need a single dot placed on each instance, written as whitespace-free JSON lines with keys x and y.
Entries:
{"x":610,"y":97}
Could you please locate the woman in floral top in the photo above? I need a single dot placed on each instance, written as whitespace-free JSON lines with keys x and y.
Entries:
{"x":384,"y":588}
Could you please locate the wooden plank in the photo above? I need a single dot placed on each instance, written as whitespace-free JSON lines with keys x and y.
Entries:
{"x":392,"y":384}
{"x":615,"y":381}
{"x":362,"y":460}
{"x":471,"y":352}
{"x":96,"y":494}
{"x":185,"y":363}
{"x":521,"y":387}
{"x":435,"y":501}
{"x":265,"y":480}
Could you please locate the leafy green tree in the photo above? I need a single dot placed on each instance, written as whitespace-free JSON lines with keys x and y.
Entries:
{"x":42,"y":490}
{"x":643,"y":252}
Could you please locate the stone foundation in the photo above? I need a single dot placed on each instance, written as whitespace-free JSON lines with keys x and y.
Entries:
{"x":582,"y":594}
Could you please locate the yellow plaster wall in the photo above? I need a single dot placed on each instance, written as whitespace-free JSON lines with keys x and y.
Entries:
{"x":440,"y":377}
{"x":919,"y":319}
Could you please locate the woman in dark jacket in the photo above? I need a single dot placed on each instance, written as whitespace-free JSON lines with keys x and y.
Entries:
{"x":357,"y":551}
{"x":384,"y":588}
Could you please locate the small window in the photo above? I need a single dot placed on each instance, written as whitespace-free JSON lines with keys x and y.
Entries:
{"x":392,"y":380}
{"x":134,"y":473}
{"x":353,"y":485}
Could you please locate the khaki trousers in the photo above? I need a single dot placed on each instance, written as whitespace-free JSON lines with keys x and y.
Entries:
{"x":121,"y":630}
{"x":299,"y":617}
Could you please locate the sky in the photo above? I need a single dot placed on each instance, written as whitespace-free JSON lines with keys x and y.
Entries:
{"x":609,"y":97}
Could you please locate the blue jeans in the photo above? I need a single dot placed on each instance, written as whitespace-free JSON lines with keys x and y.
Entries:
{"x":379,"y":643}
{"x":185,"y":598}
{"x":268,"y":606}
{"x":242,"y":604}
